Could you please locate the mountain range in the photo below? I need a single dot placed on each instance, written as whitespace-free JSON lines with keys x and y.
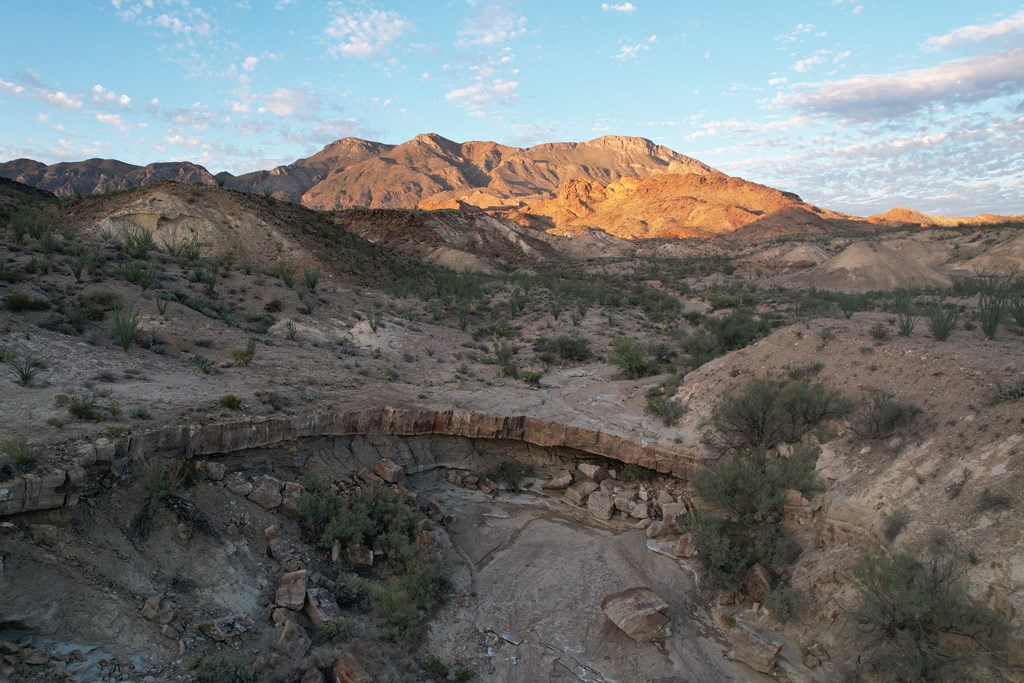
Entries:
{"x":629,"y":187}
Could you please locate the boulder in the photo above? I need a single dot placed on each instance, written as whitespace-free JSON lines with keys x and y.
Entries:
{"x":685,"y":547}
{"x":670,"y":511}
{"x":559,"y":481}
{"x":280,"y":547}
{"x":291,"y":593}
{"x":388,"y":470}
{"x":290,"y":495}
{"x":321,"y":607}
{"x":267,"y":492}
{"x":754,"y":650}
{"x":436,"y":511}
{"x":237,"y":484}
{"x":625,"y":500}
{"x":487,"y":486}
{"x":347,"y":669}
{"x":662,"y":499}
{"x":579,"y":491}
{"x":642,"y":510}
{"x":226,"y":628}
{"x":214,"y":471}
{"x":293,"y":641}
{"x":158,"y":609}
{"x":312,"y":676}
{"x":611,"y":486}
{"x":640,"y":613}
{"x":662,"y":529}
{"x":601,"y":505}
{"x":360,"y":556}
{"x":595,"y":472}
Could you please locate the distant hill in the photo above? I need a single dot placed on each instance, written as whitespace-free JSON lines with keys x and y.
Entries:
{"x":902,"y":215}
{"x":628,"y":187}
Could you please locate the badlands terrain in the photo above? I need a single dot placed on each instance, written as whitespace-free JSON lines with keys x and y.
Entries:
{"x":449,"y":412}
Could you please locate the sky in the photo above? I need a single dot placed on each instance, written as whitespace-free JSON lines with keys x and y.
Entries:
{"x":855,"y":105}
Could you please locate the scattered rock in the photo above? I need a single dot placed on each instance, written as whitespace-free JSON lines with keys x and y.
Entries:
{"x":279,"y":615}
{"x":625,"y":500}
{"x":601,"y":505}
{"x":312,"y":676}
{"x":348,"y":670}
{"x":45,"y":534}
{"x":685,"y":546}
{"x":34,"y":657}
{"x":641,"y":510}
{"x":757,"y":582}
{"x":290,"y":495}
{"x":267,"y":492}
{"x":293,"y":641}
{"x":579,"y":491}
{"x":640,"y":612}
{"x":755,"y":651}
{"x":664,"y":498}
{"x":595,"y":472}
{"x":670,"y":511}
{"x":389,"y":470}
{"x":226,"y":628}
{"x":213,"y":470}
{"x":237,"y":484}
{"x":559,"y":481}
{"x":487,"y":486}
{"x":360,"y":556}
{"x":291,"y":594}
{"x":321,"y":607}
{"x":280,"y":547}
{"x":168,"y":631}
{"x":661,"y":529}
{"x":726,"y":597}
{"x":158,"y":609}
{"x":436,"y":511}
{"x":367,"y":476}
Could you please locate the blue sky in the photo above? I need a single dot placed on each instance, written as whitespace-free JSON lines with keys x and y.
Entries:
{"x":857,"y":105}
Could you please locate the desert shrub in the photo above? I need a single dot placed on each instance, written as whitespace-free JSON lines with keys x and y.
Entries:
{"x":881,"y":414}
{"x":286,"y":272}
{"x":632,"y":358}
{"x":244,"y":355}
{"x":226,"y":667}
{"x":185,"y":250}
{"x":24,"y":370}
{"x":336,"y":631}
{"x":141,"y":273}
{"x":160,"y":483}
{"x":904,"y":602}
{"x":127,"y":326}
{"x":851,"y":303}
{"x":783,"y":602}
{"x":20,"y":457}
{"x":96,"y":303}
{"x":764,"y":413}
{"x":1015,"y":307}
{"x":737,"y":330}
{"x":230,"y":401}
{"x":665,"y":407}
{"x":726,"y":548}
{"x":352,"y":591}
{"x":701,"y":347}
{"x":994,"y":501}
{"x":531,"y":377}
{"x":906,"y":320}
{"x":135,"y":241}
{"x":311,"y":278}
{"x":879,"y":332}
{"x":631,"y":473}
{"x":894,"y":524}
{"x":942,"y":320}
{"x":510,"y":474}
{"x":84,"y":407}
{"x":804,"y":371}
{"x":572,"y":348}
{"x":752,"y":487}
{"x":19,"y":303}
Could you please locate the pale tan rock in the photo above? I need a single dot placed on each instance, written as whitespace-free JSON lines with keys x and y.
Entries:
{"x":641,"y":510}
{"x":237,"y":484}
{"x":754,"y":650}
{"x":757,"y":582}
{"x":347,"y":669}
{"x":290,"y":495}
{"x":280,"y":547}
{"x":685,"y":546}
{"x":321,"y":607}
{"x":215,"y":471}
{"x":228,"y":627}
{"x":158,"y":609}
{"x":389,"y":470}
{"x":579,"y":491}
{"x":596,"y":472}
{"x":267,"y":492}
{"x":291,"y":593}
{"x":559,"y":481}
{"x":600,"y":505}
{"x":293,"y":641}
{"x":360,"y":556}
{"x":639,"y":612}
{"x":312,"y":676}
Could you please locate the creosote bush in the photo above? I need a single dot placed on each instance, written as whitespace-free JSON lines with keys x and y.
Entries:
{"x":881,"y":414}
{"x":905,"y":601}
{"x":765,"y":413}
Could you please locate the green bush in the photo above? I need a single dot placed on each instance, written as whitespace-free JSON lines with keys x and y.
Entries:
{"x":230,"y":401}
{"x":336,"y":631}
{"x":752,"y":487}
{"x":632,"y":358}
{"x":226,"y":668}
{"x":665,"y":407}
{"x":631,"y":473}
{"x":19,"y":303}
{"x":510,"y":474}
{"x":572,"y":348}
{"x":942,"y":320}
{"x":906,"y":321}
{"x":904,"y":602}
{"x":765,"y":413}
{"x":881,"y":415}
{"x":127,"y":326}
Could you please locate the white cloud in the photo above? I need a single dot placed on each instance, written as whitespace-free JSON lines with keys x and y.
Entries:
{"x":976,"y":33}
{"x":113,"y":120}
{"x":364,"y":34}
{"x":625,"y":8}
{"x":286,"y":101}
{"x":10,"y":88}
{"x":482,"y":95}
{"x":899,"y":94}
{"x":491,"y":26}
{"x":632,"y":51}
{"x":178,"y":139}
{"x":62,"y":100}
{"x":795,"y":34}
{"x":778,"y":81}
{"x":101,"y":95}
{"x":250,"y":63}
